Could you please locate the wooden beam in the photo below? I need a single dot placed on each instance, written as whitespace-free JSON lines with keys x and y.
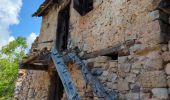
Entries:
{"x":42,"y":8}
{"x":34,"y":56}
{"x":107,"y":51}
{"x":34,"y":67}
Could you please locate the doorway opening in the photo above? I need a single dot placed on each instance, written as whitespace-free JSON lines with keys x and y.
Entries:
{"x":56,"y":87}
{"x":63,"y":29}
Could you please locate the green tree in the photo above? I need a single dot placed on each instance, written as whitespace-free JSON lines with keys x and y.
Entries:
{"x":10,"y":56}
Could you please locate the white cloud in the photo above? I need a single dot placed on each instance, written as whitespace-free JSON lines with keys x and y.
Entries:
{"x":11,"y":38}
{"x":9,"y":15}
{"x":30,"y":39}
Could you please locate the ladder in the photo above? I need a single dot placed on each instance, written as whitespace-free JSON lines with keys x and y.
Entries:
{"x":64,"y":76}
{"x":68,"y":83}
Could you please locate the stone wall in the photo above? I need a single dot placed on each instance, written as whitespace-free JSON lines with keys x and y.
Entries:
{"x":135,"y":76}
{"x":32,"y":85}
{"x":142,"y":73}
{"x":48,"y":28}
{"x":78,"y":79}
{"x":112,"y":22}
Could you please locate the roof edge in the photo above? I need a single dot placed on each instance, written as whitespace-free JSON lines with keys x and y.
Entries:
{"x":43,"y":9}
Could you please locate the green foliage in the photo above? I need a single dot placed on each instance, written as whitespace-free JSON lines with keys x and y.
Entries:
{"x":10,"y":56}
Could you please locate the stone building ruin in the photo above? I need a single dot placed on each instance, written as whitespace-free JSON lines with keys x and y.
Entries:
{"x":99,"y":50}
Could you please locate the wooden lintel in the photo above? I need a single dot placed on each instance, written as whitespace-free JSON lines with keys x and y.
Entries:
{"x":107,"y":51}
{"x":34,"y":67}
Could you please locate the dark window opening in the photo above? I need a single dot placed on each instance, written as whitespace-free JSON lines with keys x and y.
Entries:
{"x":83,"y":6}
{"x":56,"y":87}
{"x":63,"y":29}
{"x":113,"y":56}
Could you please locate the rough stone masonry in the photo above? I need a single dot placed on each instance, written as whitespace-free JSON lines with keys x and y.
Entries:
{"x":140,"y":71}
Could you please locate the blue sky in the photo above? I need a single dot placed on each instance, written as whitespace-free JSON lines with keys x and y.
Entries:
{"x":16,"y":20}
{"x":27,"y":23}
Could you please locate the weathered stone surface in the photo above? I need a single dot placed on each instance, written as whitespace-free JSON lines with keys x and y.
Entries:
{"x":168,"y":82}
{"x":167,"y":69}
{"x":101,"y":65}
{"x":153,"y":79}
{"x":97,"y":65}
{"x":102,"y":59}
{"x":135,"y":48}
{"x":110,"y":85}
{"x":145,"y":96}
{"x":112,"y":64}
{"x":124,"y":67}
{"x":121,"y":74}
{"x":132,"y":96}
{"x":150,"y":52}
{"x":135,"y":88}
{"x":161,"y":93}
{"x":154,"y":53}
{"x":112,"y":77}
{"x":122,"y":96}
{"x":131,"y":78}
{"x":31,"y":93}
{"x":131,"y":37}
{"x":114,"y":86}
{"x":114,"y":70}
{"x":135,"y":71}
{"x":137,"y":65}
{"x":165,"y":47}
{"x":145,"y":90}
{"x":105,"y":73}
{"x":153,"y":64}
{"x":97,"y":3}
{"x":123,"y":85}
{"x":122,"y":59}
{"x":166,"y":56}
